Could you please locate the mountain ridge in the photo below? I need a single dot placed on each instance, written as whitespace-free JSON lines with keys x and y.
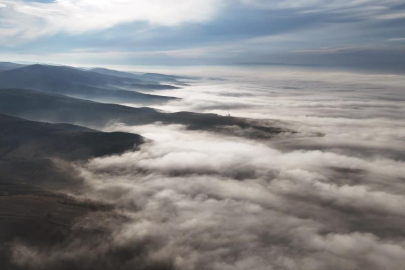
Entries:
{"x":40,"y":106}
{"x":77,"y":83}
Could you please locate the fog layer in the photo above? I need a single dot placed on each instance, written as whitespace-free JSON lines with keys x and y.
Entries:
{"x":193,"y":200}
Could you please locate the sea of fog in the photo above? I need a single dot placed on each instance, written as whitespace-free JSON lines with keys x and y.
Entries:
{"x":330,"y":196}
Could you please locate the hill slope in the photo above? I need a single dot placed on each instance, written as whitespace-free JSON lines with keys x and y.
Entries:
{"x":154,"y":78}
{"x":77,"y":83}
{"x":28,"y":148}
{"x":9,"y":66}
{"x":39,"y":106}
{"x":36,"y":139}
{"x":31,"y":209}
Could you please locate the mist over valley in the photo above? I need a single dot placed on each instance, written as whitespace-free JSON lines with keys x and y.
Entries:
{"x":202,"y":135}
{"x":278,"y":169}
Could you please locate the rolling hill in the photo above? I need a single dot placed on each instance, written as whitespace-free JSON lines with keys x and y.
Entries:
{"x":40,"y":106}
{"x":37,"y":139}
{"x":34,"y":165}
{"x":9,"y":66}
{"x":28,"y":150}
{"x":78,"y":83}
{"x":154,"y":78}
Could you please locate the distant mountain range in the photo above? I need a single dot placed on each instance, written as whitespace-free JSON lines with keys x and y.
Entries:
{"x":8,"y":66}
{"x":61,"y":94}
{"x":82,"y":84}
{"x":152,"y":78}
{"x":49,"y":121}
{"x":39,"y":106}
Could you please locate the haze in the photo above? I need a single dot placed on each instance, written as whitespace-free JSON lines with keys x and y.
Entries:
{"x":202,"y":135}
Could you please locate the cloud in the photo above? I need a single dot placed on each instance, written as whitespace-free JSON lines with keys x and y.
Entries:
{"x":24,"y":20}
{"x":197,"y":32}
{"x":348,"y":6}
{"x":192,"y":200}
{"x":196,"y":200}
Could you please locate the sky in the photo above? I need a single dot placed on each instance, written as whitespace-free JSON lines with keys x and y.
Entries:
{"x":348,"y":33}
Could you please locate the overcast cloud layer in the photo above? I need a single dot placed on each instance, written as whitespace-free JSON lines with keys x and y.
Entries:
{"x":364,"y":34}
{"x":192,"y":200}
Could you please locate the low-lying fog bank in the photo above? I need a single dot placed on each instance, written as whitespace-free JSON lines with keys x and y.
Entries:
{"x":193,"y":200}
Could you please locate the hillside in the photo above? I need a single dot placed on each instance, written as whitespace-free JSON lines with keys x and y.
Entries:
{"x":78,"y":83}
{"x":4,"y":66}
{"x":19,"y":137}
{"x":154,"y":78}
{"x":40,"y":106}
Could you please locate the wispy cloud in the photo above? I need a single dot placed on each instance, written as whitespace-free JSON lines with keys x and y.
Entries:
{"x":202,"y":32}
{"x":30,"y":20}
{"x":22,"y":21}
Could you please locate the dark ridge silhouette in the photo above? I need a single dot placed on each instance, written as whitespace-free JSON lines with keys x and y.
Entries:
{"x":27,"y":148}
{"x":149,"y":87}
{"x":162,"y":77}
{"x":154,"y":78}
{"x":123,"y":74}
{"x":78,"y":83}
{"x":34,"y":139}
{"x":40,"y":106}
{"x":8,"y":66}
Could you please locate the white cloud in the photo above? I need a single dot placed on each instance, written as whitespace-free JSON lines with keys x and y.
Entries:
{"x":29,"y":20}
{"x":199,"y":200}
{"x":182,"y":199}
{"x":22,"y":21}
